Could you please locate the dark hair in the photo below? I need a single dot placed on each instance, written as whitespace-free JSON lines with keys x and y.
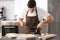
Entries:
{"x":31,"y":0}
{"x":31,"y":3}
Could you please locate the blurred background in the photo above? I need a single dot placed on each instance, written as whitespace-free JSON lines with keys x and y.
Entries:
{"x":10,"y":9}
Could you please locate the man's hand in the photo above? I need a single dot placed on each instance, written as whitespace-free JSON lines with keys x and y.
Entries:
{"x":39,"y":25}
{"x":21,"y":22}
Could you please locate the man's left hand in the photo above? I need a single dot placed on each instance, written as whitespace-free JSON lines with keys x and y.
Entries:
{"x":39,"y":25}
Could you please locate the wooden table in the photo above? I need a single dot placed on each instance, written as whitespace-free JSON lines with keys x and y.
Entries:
{"x":47,"y":37}
{"x":33,"y":37}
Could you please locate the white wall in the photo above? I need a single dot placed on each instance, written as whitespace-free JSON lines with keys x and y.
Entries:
{"x":9,"y":9}
{"x":21,"y":4}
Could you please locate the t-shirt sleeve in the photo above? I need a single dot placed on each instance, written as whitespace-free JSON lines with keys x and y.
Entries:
{"x":42,"y":14}
{"x":45,"y":14}
{"x":21,"y":15}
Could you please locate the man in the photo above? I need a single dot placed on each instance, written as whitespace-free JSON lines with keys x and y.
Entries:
{"x":34,"y":17}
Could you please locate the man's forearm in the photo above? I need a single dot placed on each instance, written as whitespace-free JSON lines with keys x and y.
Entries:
{"x":48,"y":20}
{"x":21,"y":22}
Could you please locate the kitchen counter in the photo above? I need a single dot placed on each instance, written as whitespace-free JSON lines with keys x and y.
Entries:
{"x":14,"y":36}
{"x":9,"y":23}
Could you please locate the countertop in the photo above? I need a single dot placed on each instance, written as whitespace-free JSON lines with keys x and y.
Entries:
{"x":9,"y":23}
{"x":28,"y":38}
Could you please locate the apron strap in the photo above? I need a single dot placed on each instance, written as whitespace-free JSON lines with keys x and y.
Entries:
{"x":27,"y":13}
{"x":36,"y":12}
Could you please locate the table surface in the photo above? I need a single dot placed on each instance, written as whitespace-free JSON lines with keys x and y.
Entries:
{"x":19,"y":37}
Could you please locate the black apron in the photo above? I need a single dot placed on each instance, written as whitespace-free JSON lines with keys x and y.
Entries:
{"x":31,"y":23}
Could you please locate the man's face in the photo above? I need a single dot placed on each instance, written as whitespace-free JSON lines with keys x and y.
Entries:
{"x":31,"y":9}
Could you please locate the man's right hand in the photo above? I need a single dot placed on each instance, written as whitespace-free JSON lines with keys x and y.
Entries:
{"x":22,"y":24}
